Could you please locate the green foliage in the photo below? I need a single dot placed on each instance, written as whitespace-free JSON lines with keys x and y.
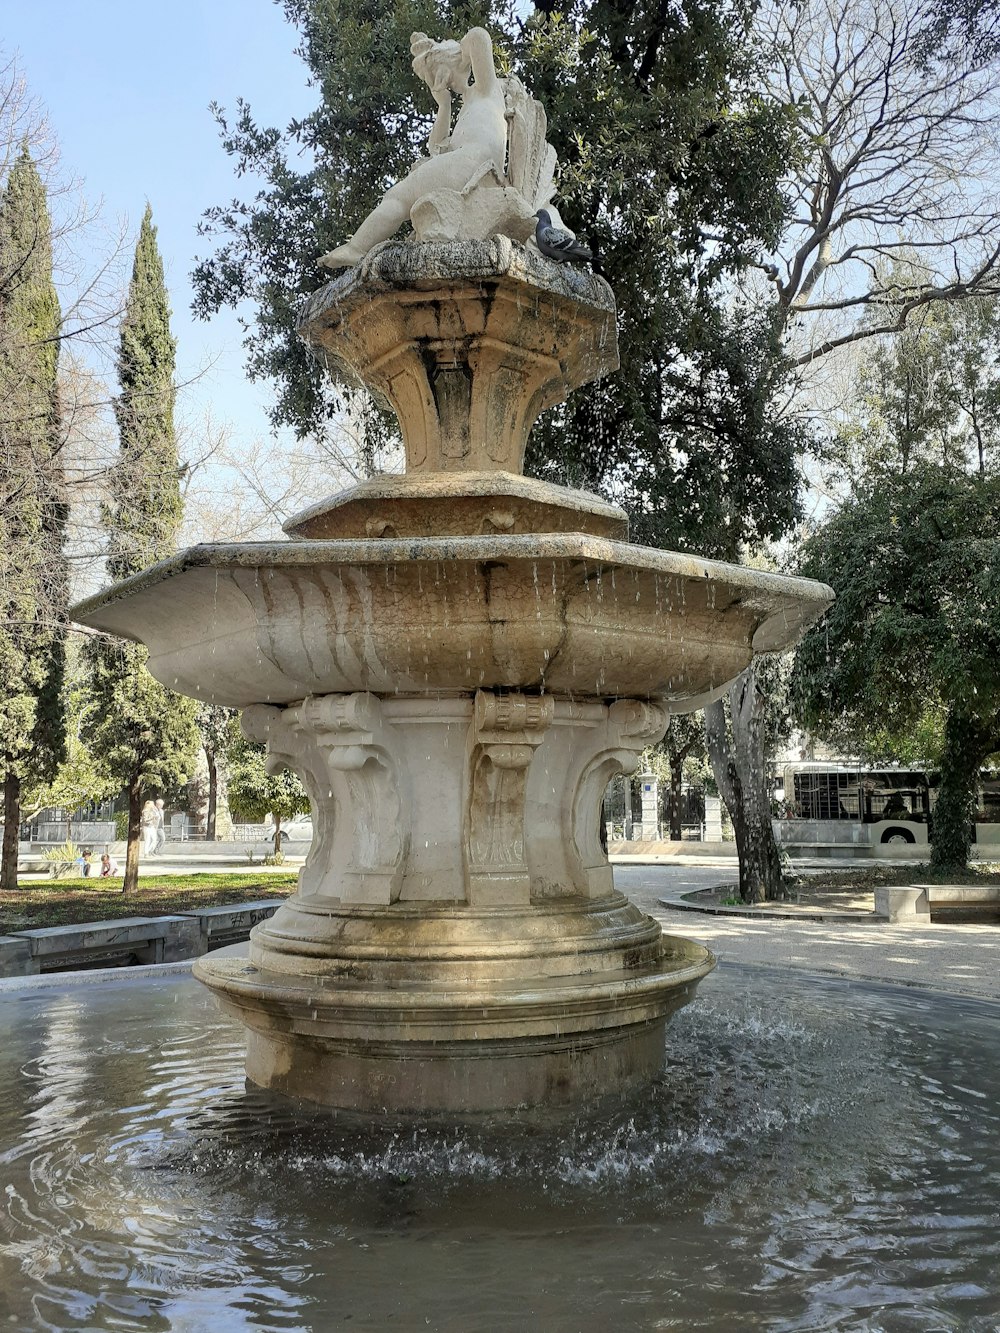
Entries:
{"x":916,"y":569}
{"x":253,"y":791}
{"x":144,"y":513}
{"x":961,"y":25}
{"x":143,"y":735}
{"x":33,"y":507}
{"x":79,"y":780}
{"x":915,"y":628}
{"x":671,"y":161}
{"x":930,"y":394}
{"x":62,"y":859}
{"x":139,"y":731}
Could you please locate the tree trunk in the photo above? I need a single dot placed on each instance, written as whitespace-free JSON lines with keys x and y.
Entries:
{"x":213,"y":794}
{"x":11,"y":832}
{"x":676,"y":779}
{"x":277,"y":835}
{"x":131,"y":881}
{"x":738,"y":762}
{"x":967,"y":742}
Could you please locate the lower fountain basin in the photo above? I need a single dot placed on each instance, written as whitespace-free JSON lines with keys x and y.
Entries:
{"x":817,"y":1154}
{"x":248,"y":623}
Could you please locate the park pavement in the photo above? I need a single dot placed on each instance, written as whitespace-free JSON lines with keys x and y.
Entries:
{"x":960,"y":959}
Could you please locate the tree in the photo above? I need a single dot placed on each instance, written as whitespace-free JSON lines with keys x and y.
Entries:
{"x":79,"y":779}
{"x":900,"y":129}
{"x":916,"y":568}
{"x":670,"y":167}
{"x":33,"y":508}
{"x":973,"y":24}
{"x":213,"y":722}
{"x":683,"y":745}
{"x":140,"y":731}
{"x":902,"y":164}
{"x":914,"y":556}
{"x":254,"y":790}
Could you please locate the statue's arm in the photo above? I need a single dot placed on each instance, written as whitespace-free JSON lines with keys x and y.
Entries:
{"x":478,"y":46}
{"x":441,"y":129}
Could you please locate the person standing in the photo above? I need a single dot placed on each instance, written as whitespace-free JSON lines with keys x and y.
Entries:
{"x":161,"y":832}
{"x":147,"y":821}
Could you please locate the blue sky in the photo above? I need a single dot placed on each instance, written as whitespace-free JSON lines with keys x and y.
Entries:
{"x":126,"y":84}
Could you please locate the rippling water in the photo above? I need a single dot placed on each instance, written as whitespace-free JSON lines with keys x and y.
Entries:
{"x":816,"y":1156}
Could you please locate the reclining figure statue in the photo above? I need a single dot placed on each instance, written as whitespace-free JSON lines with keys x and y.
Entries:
{"x":487,"y":176}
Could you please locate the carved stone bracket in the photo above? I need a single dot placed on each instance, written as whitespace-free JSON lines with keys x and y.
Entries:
{"x":507,"y":730}
{"x":344,"y":751}
{"x":589,"y":743}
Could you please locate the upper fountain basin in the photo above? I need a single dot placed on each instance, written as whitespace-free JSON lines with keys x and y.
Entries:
{"x":567,"y":613}
{"x":467,"y":341}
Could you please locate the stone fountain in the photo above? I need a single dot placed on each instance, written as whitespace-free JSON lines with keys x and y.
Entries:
{"x":456,"y":661}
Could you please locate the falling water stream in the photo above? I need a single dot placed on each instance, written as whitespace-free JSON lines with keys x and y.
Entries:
{"x":816,"y":1155}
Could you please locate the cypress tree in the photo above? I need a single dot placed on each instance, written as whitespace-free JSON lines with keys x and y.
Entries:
{"x":140,"y":731}
{"x":33,"y":508}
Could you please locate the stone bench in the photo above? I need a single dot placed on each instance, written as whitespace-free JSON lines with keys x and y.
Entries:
{"x":913,"y":902}
{"x":129,"y":940}
{"x":221,"y":926}
{"x":15,"y":957}
{"x":904,"y":905}
{"x":958,"y":895}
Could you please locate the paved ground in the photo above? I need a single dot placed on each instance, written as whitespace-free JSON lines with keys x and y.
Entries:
{"x":962,"y":959}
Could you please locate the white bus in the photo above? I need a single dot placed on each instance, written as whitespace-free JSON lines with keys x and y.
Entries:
{"x":883,"y":809}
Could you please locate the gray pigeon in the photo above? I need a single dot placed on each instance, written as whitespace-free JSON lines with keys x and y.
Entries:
{"x":557,"y":244}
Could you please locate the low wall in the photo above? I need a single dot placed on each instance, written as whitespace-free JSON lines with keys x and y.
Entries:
{"x":664,"y":848}
{"x":130,"y":940}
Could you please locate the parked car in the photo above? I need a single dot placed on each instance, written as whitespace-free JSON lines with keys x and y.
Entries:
{"x":297,"y":829}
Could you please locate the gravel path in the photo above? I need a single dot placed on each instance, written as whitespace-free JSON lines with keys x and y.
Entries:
{"x":962,"y":959}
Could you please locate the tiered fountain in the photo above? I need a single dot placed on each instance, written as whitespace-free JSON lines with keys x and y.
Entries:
{"x":455,"y":662}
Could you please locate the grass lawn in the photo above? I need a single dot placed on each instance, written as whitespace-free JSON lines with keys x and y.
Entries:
{"x":67,"y":902}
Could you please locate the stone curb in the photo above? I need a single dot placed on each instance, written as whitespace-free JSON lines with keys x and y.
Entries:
{"x":683,"y":903}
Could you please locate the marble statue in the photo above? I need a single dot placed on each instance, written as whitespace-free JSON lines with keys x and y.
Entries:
{"x":486,"y":176}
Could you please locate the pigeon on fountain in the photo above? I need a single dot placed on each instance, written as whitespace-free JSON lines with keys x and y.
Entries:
{"x":556,"y":243}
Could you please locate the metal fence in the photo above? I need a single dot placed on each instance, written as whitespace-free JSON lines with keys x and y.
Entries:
{"x":99,"y":831}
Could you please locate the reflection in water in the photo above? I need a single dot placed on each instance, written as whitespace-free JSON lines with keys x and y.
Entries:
{"x":816,"y":1156}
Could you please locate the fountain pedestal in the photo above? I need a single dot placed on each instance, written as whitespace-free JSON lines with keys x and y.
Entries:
{"x":456,"y":662}
{"x":456,"y":941}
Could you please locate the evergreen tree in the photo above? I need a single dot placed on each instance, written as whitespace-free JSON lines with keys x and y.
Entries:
{"x":33,"y":508}
{"x":140,"y":731}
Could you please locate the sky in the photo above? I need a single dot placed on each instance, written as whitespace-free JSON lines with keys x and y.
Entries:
{"x":126,"y":85}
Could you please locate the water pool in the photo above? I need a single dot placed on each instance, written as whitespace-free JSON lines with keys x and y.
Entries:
{"x":817,"y":1155}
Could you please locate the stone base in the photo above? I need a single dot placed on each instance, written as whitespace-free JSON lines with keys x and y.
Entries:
{"x":459,"y":1077}
{"x":556,"y":1015}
